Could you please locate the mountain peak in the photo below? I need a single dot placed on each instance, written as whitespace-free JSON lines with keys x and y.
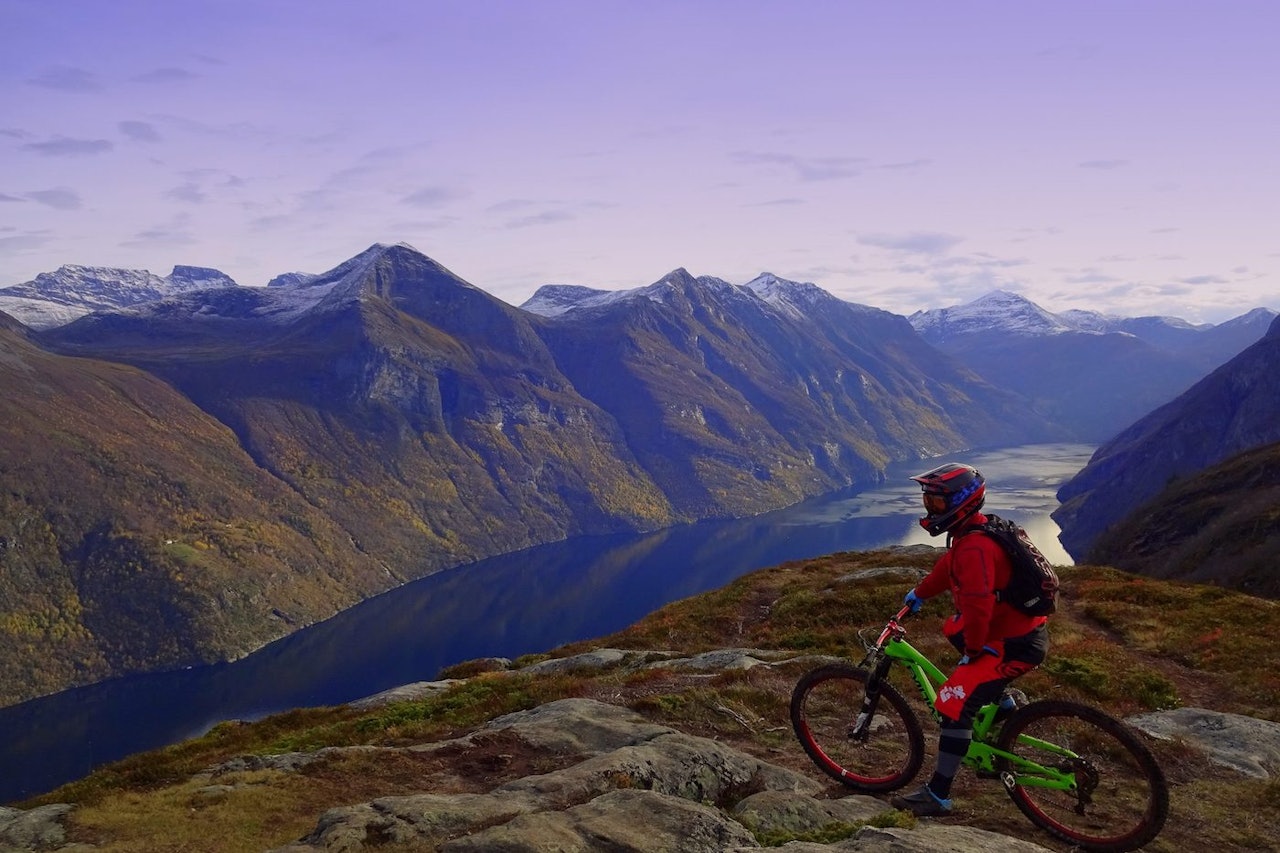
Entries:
{"x":552,"y":300}
{"x":184,"y":278}
{"x":59,"y":297}
{"x":797,"y":299}
{"x":1000,"y":311}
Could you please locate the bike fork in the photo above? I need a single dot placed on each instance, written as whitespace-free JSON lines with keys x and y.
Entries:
{"x":861,"y":727}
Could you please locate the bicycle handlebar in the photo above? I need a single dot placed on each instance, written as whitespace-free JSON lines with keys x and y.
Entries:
{"x":892,"y":625}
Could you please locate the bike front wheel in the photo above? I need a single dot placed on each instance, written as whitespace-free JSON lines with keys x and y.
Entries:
{"x":1121,"y":798}
{"x":824,"y":706}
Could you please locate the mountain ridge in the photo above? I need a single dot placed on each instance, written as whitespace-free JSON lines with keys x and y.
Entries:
{"x":431,"y":424}
{"x":1230,"y":411}
{"x":417,"y":423}
{"x":1071,"y":372}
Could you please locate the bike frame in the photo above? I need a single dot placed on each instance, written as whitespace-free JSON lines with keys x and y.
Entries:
{"x":892,"y":648}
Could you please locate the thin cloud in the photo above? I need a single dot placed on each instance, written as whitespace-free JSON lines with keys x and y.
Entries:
{"x":1203,"y":279}
{"x":58,"y":199}
{"x":65,"y":78}
{"x":139,"y":131}
{"x":906,"y":165}
{"x":238,"y":130}
{"x":166,"y":75}
{"x":6,"y":197}
{"x":805,"y":168}
{"x":1103,"y":164}
{"x":550,"y":217}
{"x":160,"y":236}
{"x":437,"y":224}
{"x":26,"y":240}
{"x":62,"y":146}
{"x":190,"y":193}
{"x":511,"y":205}
{"x":432,"y":197}
{"x":1090,"y":277}
{"x":980,"y":260}
{"x":915,"y":242}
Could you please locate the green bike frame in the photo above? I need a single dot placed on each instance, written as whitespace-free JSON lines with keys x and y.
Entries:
{"x":982,"y":756}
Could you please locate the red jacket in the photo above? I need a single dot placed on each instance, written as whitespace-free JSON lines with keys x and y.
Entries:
{"x":974,"y":567}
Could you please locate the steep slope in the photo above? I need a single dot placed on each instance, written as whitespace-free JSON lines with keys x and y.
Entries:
{"x":1206,"y":345}
{"x":423,"y":414}
{"x":136,"y":534}
{"x":910,"y":368}
{"x":760,"y":399}
{"x":1219,"y":525}
{"x":1234,"y":409}
{"x":1083,"y":372}
{"x":413,"y":422}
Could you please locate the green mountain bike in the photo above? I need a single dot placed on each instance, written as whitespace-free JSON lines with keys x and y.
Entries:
{"x":1073,"y":770}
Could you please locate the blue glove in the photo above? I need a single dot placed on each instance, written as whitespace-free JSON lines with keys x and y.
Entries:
{"x":913,"y":601}
{"x":969,"y":658}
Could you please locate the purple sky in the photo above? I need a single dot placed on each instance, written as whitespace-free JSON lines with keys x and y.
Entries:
{"x":1117,"y":156}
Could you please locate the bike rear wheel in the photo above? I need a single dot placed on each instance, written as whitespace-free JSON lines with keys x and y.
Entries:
{"x":824,"y":705}
{"x":1123,"y":799}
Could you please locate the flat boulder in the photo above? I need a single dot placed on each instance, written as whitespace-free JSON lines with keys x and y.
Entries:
{"x":625,"y":821}
{"x":1245,"y":744}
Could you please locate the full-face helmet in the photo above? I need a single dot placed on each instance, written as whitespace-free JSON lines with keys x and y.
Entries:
{"x":952,"y":493}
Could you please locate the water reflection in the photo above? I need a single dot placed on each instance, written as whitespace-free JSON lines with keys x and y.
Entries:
{"x":507,"y":606}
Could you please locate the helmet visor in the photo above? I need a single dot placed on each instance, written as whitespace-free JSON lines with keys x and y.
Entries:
{"x":935,"y":504}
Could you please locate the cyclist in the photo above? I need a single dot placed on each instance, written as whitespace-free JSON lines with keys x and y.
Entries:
{"x":998,"y":643}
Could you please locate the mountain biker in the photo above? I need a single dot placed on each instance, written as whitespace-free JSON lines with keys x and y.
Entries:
{"x":998,"y":643}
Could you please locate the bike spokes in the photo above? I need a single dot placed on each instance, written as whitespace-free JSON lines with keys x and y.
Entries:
{"x":882,"y":753}
{"x":1119,"y":799}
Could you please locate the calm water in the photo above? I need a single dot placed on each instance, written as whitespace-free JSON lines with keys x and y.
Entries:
{"x":519,"y":603}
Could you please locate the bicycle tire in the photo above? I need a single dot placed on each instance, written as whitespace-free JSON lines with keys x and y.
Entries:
{"x":826,"y":701}
{"x":1128,"y":801}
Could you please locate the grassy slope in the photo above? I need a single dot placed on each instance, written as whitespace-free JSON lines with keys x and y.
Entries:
{"x":1220,"y":525}
{"x":1127,"y":643}
{"x":126,"y":544}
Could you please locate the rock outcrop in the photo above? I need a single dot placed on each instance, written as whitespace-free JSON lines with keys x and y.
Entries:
{"x":1245,"y":744}
{"x":596,"y":776}
{"x":635,"y":786}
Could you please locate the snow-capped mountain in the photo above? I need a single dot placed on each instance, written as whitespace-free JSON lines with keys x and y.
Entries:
{"x":1009,"y":316}
{"x":798,"y":299}
{"x":552,"y":300}
{"x":251,"y":311}
{"x":1090,"y":371}
{"x":1094,"y":321}
{"x":998,"y":311}
{"x":56,"y":298}
{"x":291,"y":279}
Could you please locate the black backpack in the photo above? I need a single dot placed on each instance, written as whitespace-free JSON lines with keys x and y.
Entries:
{"x":1033,"y":587}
